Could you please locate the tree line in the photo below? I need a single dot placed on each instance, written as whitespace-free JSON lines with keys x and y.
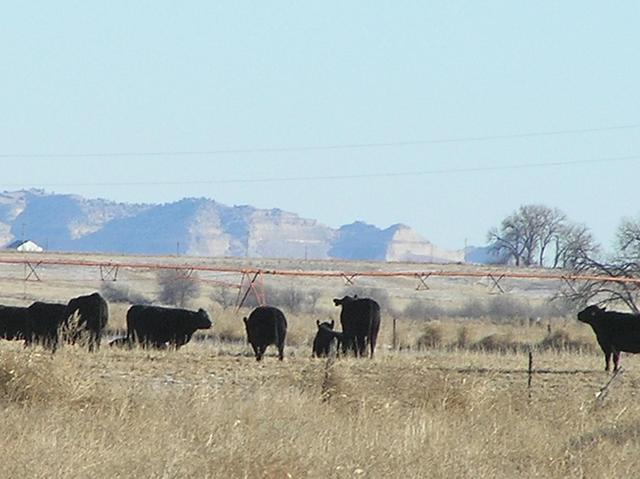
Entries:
{"x":537,"y":235}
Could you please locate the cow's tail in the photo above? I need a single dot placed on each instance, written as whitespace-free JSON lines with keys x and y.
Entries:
{"x":280,"y":332}
{"x":132,"y":337}
{"x":374,"y":317}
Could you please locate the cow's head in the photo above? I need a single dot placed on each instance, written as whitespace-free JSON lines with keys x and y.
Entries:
{"x":345,"y":300}
{"x":203,"y":319}
{"x":590,"y":314}
{"x":325,"y":325}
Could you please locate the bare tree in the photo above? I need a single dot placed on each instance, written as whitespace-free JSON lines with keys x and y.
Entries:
{"x":552,"y":223}
{"x":612,"y":288}
{"x":175,"y":288}
{"x":612,"y":280}
{"x":525,"y":235}
{"x":509,"y":241}
{"x":573,"y":242}
{"x":225,"y":296}
{"x":628,"y":238}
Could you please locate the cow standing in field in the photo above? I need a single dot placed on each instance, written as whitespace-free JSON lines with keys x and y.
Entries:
{"x":325,"y":338}
{"x":266,"y":325}
{"x":360,"y":319}
{"x":43,"y":323}
{"x":157,"y":326}
{"x":86,"y":315}
{"x":616,"y":332}
{"x":12,"y":322}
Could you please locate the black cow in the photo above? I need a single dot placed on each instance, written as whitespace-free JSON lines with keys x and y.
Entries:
{"x":616,"y":332}
{"x":12,"y":322}
{"x":156,"y":326}
{"x":266,"y":325}
{"x":86,"y":314}
{"x":42,"y":324}
{"x":325,"y":337}
{"x":360,"y":319}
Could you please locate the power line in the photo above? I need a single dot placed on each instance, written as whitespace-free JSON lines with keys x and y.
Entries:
{"x":346,"y":146}
{"x":478,"y":169}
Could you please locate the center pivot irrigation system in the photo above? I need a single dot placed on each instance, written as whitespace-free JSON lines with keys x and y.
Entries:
{"x":251,"y":279}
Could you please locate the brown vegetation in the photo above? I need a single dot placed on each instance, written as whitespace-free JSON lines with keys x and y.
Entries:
{"x":450,"y":400}
{"x":197,"y":413}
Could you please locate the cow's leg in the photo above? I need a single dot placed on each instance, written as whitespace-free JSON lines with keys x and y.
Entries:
{"x":607,"y":359}
{"x":260,"y":352}
{"x":345,"y":344}
{"x":255,"y":350}
{"x":281,"y":351}
{"x":616,"y":360}
{"x":361,"y":345}
{"x":372,"y":344}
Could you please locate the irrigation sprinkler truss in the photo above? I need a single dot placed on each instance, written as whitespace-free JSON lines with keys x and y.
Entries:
{"x":252,"y":279}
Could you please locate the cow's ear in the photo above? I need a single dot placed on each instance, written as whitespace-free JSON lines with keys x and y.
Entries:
{"x":317,"y":322}
{"x":332,"y":323}
{"x":245,"y":320}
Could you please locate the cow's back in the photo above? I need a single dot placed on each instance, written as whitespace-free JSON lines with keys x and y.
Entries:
{"x":266,"y":325}
{"x":148,"y":323}
{"x":160,"y":325}
{"x":12,"y":322}
{"x":44,"y":318}
{"x":620,"y":330}
{"x":360,"y":317}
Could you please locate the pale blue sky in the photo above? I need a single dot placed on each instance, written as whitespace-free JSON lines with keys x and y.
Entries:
{"x":158,"y":76}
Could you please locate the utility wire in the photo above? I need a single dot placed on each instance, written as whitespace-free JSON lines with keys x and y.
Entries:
{"x":478,"y":169}
{"x":347,"y":146}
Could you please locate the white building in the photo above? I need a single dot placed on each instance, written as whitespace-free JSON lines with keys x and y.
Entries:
{"x":25,"y":245}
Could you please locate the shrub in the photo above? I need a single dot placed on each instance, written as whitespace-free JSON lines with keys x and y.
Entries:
{"x":464,"y":337}
{"x":226,"y":297}
{"x":560,"y":340}
{"x":507,"y":307}
{"x":175,"y":288}
{"x":420,"y":309}
{"x":431,"y":337}
{"x":121,"y":293}
{"x":290,"y":300}
{"x":502,"y":343}
{"x":473,"y":309}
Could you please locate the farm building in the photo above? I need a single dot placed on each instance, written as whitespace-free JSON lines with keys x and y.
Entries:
{"x":25,"y":245}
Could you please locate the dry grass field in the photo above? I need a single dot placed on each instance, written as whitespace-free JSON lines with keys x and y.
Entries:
{"x":443,"y":401}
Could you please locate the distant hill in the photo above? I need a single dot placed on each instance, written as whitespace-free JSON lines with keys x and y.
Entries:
{"x":200,"y":227}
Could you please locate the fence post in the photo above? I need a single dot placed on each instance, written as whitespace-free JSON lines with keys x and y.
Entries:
{"x":395,"y":337}
{"x":530,"y":371}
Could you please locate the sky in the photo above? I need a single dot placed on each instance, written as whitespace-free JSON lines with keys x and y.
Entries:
{"x":442,"y":115}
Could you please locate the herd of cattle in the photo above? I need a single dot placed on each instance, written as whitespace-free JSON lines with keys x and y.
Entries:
{"x":85,"y":318}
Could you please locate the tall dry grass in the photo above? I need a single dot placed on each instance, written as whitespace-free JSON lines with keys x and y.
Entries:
{"x":199,"y":413}
{"x":439,"y":399}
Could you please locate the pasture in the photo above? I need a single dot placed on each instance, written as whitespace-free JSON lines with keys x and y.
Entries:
{"x":438,"y":400}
